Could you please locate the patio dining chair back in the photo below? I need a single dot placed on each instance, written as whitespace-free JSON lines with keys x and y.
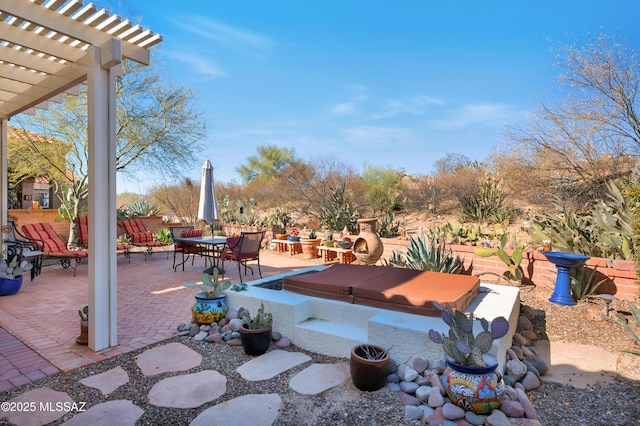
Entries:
{"x":245,"y":248}
{"x":23,"y":248}
{"x":185,"y":249}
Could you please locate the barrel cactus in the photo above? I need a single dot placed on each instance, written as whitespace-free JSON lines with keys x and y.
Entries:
{"x":460,"y":345}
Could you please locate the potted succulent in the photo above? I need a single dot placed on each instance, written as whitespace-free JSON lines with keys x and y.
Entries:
{"x":369,"y":366}
{"x":328,"y":239}
{"x":255,"y":333}
{"x":282,"y":235}
{"x":470,"y":378}
{"x":11,"y":275}
{"x":310,"y":245}
{"x":83,"y":338}
{"x":211,"y":304}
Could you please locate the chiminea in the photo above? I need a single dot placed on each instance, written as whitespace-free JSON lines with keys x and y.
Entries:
{"x":368,"y":247}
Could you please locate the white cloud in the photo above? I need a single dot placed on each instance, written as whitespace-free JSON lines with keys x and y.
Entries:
{"x":487,"y":114}
{"x":232,"y":38}
{"x":345,"y":108}
{"x":198,"y":64}
{"x":379,"y":135}
{"x":369,"y":107}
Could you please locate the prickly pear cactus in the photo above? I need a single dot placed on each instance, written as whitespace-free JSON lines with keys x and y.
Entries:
{"x":460,"y":345}
{"x":261,"y":320}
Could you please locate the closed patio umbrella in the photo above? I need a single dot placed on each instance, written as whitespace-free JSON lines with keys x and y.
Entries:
{"x":208,"y":205}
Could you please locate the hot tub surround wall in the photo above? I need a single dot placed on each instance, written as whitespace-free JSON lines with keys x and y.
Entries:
{"x":333,"y":327}
{"x":368,"y":248}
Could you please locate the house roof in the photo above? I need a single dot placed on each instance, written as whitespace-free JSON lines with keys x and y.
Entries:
{"x":45,"y":46}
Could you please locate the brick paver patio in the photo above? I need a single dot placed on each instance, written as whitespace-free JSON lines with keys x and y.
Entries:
{"x":39,"y":325}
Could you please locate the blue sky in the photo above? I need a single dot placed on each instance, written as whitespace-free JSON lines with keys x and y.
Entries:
{"x":397,"y":84}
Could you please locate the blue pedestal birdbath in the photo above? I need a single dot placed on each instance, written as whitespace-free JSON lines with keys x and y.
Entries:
{"x":564,"y":262}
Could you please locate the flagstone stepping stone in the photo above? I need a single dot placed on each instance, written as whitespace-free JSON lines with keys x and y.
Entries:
{"x":271,"y":364}
{"x":120,"y":412}
{"x":46,"y":403}
{"x":170,"y":357}
{"x":108,"y":381}
{"x":318,"y":378}
{"x":252,"y":409}
{"x":188,"y":390}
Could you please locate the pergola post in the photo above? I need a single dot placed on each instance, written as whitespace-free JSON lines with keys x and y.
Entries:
{"x":4,"y":184}
{"x":101,"y":96}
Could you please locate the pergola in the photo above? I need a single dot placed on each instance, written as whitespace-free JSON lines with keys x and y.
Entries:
{"x":47,"y":48}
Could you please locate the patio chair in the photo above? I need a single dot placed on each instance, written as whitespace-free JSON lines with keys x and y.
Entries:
{"x":83,"y":237}
{"x":140,"y":236}
{"x":53,"y":246}
{"x":245,"y":248}
{"x":23,"y":248}
{"x":186,"y":249}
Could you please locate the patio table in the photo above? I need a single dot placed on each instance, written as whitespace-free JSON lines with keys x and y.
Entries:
{"x":213,"y":244}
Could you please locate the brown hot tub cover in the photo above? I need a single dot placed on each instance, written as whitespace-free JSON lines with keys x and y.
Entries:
{"x":404,"y":290}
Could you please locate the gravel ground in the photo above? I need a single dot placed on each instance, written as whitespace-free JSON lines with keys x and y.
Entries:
{"x":614,"y":404}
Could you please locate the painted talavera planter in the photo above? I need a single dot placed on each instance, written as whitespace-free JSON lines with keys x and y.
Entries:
{"x":474,"y":389}
{"x":206,"y":311}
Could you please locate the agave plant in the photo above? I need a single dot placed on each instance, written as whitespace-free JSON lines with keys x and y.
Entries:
{"x":460,"y":345}
{"x":425,"y":254}
{"x":623,"y":323}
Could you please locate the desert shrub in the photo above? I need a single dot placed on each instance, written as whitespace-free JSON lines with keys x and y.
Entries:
{"x":382,"y":188}
{"x":338,"y":212}
{"x":489,"y":202}
{"x":603,"y":229}
{"x":388,"y":226}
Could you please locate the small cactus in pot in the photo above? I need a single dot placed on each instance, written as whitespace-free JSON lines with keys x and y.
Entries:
{"x":460,"y":345}
{"x":261,"y":320}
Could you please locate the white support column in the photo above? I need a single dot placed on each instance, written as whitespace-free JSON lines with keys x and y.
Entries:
{"x":4,"y":185}
{"x":101,"y":84}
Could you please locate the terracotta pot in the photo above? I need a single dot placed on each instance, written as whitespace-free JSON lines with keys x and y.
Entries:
{"x":255,"y":342}
{"x":309,"y":248}
{"x":83,"y":338}
{"x":281,"y":236}
{"x":368,"y":374}
{"x":368,"y":248}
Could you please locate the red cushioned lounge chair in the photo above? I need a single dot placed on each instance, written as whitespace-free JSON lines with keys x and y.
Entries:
{"x":83,"y":237}
{"x":53,"y":246}
{"x":140,"y":236}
